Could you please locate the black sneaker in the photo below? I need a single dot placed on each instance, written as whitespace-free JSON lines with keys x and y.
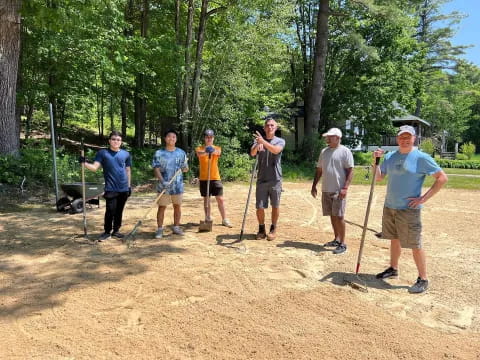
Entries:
{"x":333,"y":243}
{"x":390,"y":272}
{"x":420,"y":286}
{"x":104,"y":236}
{"x":340,"y":249}
{"x":118,"y":235}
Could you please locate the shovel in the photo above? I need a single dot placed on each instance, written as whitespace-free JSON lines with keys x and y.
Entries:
{"x":206,"y":226}
{"x":363,"y":287}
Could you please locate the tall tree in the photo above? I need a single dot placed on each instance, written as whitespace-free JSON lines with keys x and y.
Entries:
{"x":318,"y":77}
{"x":9,"y":55}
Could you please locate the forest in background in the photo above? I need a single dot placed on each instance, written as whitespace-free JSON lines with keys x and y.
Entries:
{"x":142,"y":66}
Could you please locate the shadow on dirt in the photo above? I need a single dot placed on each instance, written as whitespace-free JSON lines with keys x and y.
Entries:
{"x":362,"y":280}
{"x":304,"y":245}
{"x":40,"y":259}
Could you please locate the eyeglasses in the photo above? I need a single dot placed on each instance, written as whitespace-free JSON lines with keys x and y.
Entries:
{"x":116,"y":139}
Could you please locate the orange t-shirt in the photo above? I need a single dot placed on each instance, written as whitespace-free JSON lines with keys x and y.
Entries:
{"x":203,"y":160}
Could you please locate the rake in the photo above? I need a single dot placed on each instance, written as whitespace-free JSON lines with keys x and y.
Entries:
{"x":364,"y":287}
{"x":130,"y":236}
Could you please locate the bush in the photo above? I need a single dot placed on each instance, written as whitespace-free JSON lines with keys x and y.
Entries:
{"x":459,"y":156}
{"x":468,"y":149}
{"x":427,"y":146}
{"x":362,"y":158}
{"x":458,"y":164}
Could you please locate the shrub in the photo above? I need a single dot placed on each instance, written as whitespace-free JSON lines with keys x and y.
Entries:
{"x":362,"y":158}
{"x":468,"y":149}
{"x":459,"y":156}
{"x":458,"y":164}
{"x":427,"y":146}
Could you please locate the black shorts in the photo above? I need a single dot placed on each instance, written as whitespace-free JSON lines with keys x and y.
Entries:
{"x":216,"y":188}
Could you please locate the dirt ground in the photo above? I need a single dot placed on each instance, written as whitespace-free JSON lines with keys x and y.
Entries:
{"x":197,"y":297}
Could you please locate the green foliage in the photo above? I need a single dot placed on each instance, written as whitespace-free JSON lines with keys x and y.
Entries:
{"x":460,"y":156}
{"x":468,"y":149}
{"x":427,"y":146}
{"x":308,"y":151}
{"x":362,"y":158}
{"x":461,"y":164}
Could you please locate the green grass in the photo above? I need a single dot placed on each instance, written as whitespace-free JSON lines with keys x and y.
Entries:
{"x":302,"y":172}
{"x":462,"y":171}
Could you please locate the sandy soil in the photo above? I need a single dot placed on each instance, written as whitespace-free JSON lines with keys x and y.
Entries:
{"x":197,"y":297}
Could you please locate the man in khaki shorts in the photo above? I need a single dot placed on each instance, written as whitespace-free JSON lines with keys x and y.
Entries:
{"x":166,"y":162}
{"x":335,"y":164}
{"x":406,"y":169}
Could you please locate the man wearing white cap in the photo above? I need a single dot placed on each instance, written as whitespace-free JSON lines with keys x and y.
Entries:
{"x":335,"y":164}
{"x":406,"y":169}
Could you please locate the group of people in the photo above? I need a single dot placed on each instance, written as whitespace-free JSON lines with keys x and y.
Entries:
{"x":406,"y":169}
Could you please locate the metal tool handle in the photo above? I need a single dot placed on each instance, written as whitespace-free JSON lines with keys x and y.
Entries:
{"x":248,"y":197}
{"x":82,"y":154}
{"x":367,"y":214}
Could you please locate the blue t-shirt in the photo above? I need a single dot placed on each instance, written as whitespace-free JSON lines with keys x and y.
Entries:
{"x":406,"y":174}
{"x":169,"y":162}
{"x":114,"y":164}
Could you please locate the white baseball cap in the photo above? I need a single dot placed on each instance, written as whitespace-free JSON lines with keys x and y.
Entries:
{"x":406,"y":129}
{"x":333,"y":132}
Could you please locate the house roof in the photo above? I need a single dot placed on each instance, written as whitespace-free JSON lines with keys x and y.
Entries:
{"x":410,"y":118}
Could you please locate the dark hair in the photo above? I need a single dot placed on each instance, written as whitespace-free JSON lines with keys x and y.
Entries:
{"x":170,"y":131}
{"x":115,"y":133}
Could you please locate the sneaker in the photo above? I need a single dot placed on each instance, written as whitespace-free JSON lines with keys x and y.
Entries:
{"x":271,"y":236}
{"x":177,"y":230}
{"x":390,"y":272}
{"x":159,"y":233}
{"x":118,"y":235}
{"x":104,"y":236}
{"x":333,"y":243}
{"x":419,"y":287}
{"x":226,"y":222}
{"x":340,"y":249}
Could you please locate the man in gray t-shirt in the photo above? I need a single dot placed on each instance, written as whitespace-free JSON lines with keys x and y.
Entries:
{"x":269,"y":178}
{"x":335,"y":164}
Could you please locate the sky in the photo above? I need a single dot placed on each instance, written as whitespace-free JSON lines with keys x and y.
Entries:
{"x":468,"y":31}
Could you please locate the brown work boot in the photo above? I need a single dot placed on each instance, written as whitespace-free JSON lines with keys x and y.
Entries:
{"x":261,"y":234}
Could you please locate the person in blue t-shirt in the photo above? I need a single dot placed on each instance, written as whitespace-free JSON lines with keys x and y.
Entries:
{"x":406,"y":169}
{"x":116,"y":164}
{"x":166,"y":162}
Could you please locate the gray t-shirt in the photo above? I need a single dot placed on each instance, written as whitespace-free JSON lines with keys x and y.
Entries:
{"x":269,"y":165}
{"x":334,"y":162}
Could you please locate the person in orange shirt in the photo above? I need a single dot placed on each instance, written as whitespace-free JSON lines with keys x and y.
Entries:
{"x":216,"y":186}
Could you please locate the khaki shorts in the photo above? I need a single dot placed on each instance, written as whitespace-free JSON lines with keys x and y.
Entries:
{"x":404,"y":225}
{"x":167,"y":199}
{"x":268,"y":191}
{"x":332,"y":205}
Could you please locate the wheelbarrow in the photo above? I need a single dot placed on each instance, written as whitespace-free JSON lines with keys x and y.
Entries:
{"x":72,"y":202}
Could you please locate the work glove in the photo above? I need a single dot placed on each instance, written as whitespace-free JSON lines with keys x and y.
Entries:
{"x":129,"y":192}
{"x":209,"y":149}
{"x":165,"y":184}
{"x":81,"y":159}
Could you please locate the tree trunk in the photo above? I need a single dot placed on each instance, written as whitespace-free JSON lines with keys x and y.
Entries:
{"x":123,"y":109}
{"x":178,"y":85}
{"x":140,"y":100}
{"x":185,"y":117}
{"x":9,"y":55}
{"x":198,"y":61}
{"x":318,"y":79}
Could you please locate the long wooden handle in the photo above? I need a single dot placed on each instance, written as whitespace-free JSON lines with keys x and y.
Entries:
{"x":82,"y":154}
